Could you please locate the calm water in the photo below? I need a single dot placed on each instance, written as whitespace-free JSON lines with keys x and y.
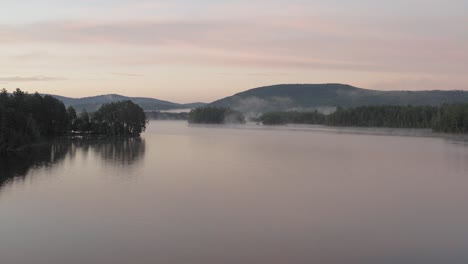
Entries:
{"x":201,"y":195}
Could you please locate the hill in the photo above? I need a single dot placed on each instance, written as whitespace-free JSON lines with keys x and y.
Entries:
{"x":92,"y":103}
{"x":326,"y":97}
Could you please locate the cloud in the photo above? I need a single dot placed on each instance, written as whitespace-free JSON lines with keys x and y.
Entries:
{"x":29,"y":56}
{"x":264,"y":74}
{"x":39,"y":78}
{"x":127,"y":74}
{"x":307,"y":42}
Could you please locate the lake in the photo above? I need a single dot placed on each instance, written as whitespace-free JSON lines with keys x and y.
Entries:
{"x":238,"y":194}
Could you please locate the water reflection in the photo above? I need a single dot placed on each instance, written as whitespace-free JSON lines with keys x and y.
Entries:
{"x":120,"y":152}
{"x":18,"y":165}
{"x":228,"y":195}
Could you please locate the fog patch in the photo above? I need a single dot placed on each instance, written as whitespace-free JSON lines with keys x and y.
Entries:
{"x":253,"y":106}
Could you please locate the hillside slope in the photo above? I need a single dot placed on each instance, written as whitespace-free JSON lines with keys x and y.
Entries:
{"x":92,"y":103}
{"x":326,"y":96}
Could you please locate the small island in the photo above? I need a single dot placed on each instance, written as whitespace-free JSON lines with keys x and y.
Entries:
{"x":26,"y":119}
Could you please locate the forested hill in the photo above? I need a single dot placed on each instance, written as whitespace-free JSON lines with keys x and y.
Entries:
{"x":93,"y":103}
{"x":312,"y":96}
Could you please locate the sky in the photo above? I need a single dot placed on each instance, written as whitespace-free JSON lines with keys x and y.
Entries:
{"x":188,"y":51}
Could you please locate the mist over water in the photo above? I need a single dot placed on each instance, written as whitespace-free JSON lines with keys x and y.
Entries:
{"x":239,"y":194}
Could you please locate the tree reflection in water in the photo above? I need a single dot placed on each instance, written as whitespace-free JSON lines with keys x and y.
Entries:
{"x":17,"y":166}
{"x":118,"y":152}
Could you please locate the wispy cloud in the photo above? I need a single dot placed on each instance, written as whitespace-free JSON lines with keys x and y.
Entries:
{"x":28,"y":56}
{"x":261,"y":74}
{"x":382,"y":45}
{"x":301,"y":41}
{"x":127,"y":74}
{"x":39,"y":78}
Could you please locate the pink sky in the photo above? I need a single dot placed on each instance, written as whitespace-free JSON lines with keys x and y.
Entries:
{"x":184,"y":51}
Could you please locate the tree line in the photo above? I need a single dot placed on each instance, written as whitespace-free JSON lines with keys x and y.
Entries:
{"x":117,"y":119}
{"x":445,"y":118}
{"x":292,"y":117}
{"x":158,"y":115}
{"x":215,"y":115}
{"x":29,"y":118}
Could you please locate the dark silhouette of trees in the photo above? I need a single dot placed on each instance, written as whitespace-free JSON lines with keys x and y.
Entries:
{"x":157,"y":115}
{"x":123,"y":118}
{"x":215,"y":115}
{"x":278,"y":118}
{"x":83,"y":123}
{"x":384,"y":116}
{"x":25,"y":119}
{"x":451,"y":119}
{"x":72,"y":118}
{"x":29,"y":118}
{"x":446,"y":118}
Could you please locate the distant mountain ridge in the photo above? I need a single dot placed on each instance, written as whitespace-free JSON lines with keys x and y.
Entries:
{"x":93,"y":103}
{"x":286,"y":97}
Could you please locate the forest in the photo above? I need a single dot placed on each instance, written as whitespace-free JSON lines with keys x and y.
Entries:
{"x":158,"y":115}
{"x":450,"y":118}
{"x":292,"y":117}
{"x":30,"y":118}
{"x":215,"y":115}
